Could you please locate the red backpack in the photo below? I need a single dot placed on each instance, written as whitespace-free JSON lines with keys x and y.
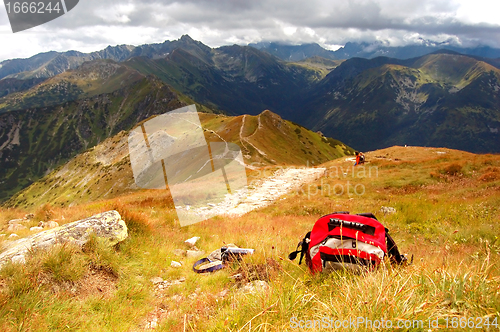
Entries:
{"x":347,"y":241}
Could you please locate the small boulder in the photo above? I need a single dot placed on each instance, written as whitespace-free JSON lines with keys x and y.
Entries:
{"x":175,"y":264}
{"x":192,"y":241}
{"x":254,"y":287}
{"x":49,"y":224}
{"x":16,"y":227}
{"x":36,"y":229}
{"x":387,"y":210}
{"x":179,"y":252}
{"x":13,"y":236}
{"x":194,"y":253}
{"x":156,"y":280}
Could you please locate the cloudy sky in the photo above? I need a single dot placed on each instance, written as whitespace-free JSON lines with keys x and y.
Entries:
{"x":94,"y":24}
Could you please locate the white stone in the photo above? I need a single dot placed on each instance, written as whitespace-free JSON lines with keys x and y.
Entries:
{"x":19,"y":259}
{"x":16,"y":227}
{"x":254,"y":287}
{"x":36,"y":228}
{"x":192,"y":241}
{"x":175,"y":264}
{"x":387,"y":210}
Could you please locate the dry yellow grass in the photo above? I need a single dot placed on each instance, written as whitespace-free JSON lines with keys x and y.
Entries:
{"x":447,"y":216}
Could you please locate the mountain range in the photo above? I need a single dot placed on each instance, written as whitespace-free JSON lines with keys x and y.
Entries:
{"x":442,"y":99}
{"x":54,"y":106}
{"x":49,"y":64}
{"x":370,"y":50}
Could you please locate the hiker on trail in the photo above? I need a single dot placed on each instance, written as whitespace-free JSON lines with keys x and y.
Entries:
{"x":360,"y":158}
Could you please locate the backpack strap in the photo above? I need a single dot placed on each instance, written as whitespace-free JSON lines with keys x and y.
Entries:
{"x":304,"y":247}
{"x":205,"y":265}
{"x":393,"y":251}
{"x":368,"y":215}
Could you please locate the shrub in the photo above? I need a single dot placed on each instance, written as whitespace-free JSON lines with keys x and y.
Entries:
{"x":453,"y":169}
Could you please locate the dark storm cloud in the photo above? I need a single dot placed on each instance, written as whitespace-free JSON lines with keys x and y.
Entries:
{"x":220,"y":22}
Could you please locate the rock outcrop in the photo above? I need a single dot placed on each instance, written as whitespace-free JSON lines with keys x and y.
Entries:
{"x":107,"y":225}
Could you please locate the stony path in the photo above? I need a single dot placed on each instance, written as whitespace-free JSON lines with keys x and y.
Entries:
{"x":244,"y":140}
{"x":263,"y":193}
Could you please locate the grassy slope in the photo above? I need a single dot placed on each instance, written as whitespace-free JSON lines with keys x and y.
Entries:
{"x":104,"y":171}
{"x":436,"y":100}
{"x":447,"y":215}
{"x":318,"y":67}
{"x":91,"y":79}
{"x":50,"y":136}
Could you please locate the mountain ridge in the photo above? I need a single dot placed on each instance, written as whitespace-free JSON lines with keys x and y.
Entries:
{"x":421,"y":101}
{"x":104,"y":170}
{"x":51,"y":63}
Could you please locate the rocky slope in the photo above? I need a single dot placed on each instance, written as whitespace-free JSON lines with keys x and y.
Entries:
{"x":34,"y":141}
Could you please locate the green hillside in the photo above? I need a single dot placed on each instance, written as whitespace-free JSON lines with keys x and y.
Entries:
{"x":104,"y":171}
{"x":235,"y":79}
{"x":35,"y":141}
{"x":437,"y":100}
{"x":90,"y":79}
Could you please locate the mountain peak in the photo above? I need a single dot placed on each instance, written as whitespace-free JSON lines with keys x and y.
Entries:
{"x":445,"y":51}
{"x":186,"y":39}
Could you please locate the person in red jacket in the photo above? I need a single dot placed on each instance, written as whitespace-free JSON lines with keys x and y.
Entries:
{"x":360,"y":158}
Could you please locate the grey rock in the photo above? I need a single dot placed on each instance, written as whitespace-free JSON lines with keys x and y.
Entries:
{"x":254,"y":287}
{"x":156,"y":280}
{"x":108,"y":226}
{"x":387,"y":210}
{"x":18,"y":259}
{"x":194,"y":253}
{"x":179,"y":252}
